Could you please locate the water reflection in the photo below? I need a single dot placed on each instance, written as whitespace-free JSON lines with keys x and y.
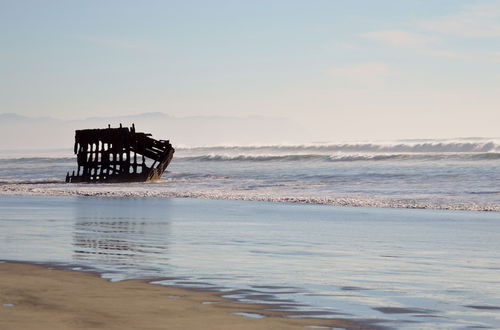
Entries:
{"x":122,"y":236}
{"x":413,"y":269}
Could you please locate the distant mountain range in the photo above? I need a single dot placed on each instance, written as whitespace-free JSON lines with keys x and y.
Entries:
{"x":20,"y":132}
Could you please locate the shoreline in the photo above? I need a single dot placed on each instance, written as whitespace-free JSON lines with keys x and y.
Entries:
{"x":14,"y":190}
{"x":35,"y":296}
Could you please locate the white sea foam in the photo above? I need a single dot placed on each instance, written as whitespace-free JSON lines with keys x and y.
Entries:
{"x":148,"y":190}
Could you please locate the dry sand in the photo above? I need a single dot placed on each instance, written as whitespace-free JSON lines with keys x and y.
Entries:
{"x":38,"y":297}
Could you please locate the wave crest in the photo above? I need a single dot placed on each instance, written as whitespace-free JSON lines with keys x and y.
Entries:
{"x":337,"y":158}
{"x":407,"y":147}
{"x":288,"y":158}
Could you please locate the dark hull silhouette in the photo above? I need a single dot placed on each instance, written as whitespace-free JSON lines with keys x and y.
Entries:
{"x":119,"y":155}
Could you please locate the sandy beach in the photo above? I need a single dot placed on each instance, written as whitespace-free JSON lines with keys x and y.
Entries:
{"x":39,"y":297}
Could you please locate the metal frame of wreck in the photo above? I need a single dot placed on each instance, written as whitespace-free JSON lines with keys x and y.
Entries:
{"x":110,"y":155}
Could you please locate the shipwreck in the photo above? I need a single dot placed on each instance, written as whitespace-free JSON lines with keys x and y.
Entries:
{"x":119,"y":155}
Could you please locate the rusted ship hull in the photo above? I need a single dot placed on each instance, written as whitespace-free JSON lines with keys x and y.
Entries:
{"x":119,"y":155}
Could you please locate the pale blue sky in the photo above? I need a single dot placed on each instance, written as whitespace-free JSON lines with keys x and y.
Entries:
{"x":353,"y":69}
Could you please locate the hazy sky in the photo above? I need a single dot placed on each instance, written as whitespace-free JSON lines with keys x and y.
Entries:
{"x":344,"y":68}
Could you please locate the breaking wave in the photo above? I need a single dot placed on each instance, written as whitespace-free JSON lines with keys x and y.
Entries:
{"x":297,"y":157}
{"x":407,"y":147}
{"x":287,"y":158}
{"x":340,"y":158}
{"x":467,"y":149}
{"x":429,"y":150}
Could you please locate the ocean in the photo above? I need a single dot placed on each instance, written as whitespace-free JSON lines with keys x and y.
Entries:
{"x":402,"y":234}
{"x":461,"y":174}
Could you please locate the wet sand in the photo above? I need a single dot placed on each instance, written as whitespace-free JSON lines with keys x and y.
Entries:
{"x":39,"y":297}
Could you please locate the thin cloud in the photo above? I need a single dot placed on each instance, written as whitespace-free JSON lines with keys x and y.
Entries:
{"x":480,"y":20}
{"x":477,"y":56}
{"x":445,"y":53}
{"x":490,"y":56}
{"x":364,"y":73}
{"x":398,"y":38}
{"x":346,"y":46}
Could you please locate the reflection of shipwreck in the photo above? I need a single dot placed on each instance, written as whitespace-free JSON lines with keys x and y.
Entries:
{"x":111,"y":154}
